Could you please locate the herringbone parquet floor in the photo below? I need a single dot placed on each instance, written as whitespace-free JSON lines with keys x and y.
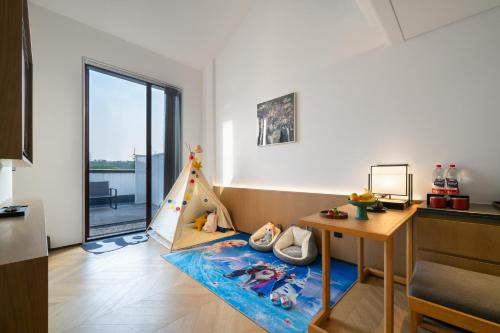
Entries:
{"x":134,"y":290}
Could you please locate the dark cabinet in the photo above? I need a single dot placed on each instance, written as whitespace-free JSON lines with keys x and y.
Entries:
{"x":16,"y":84}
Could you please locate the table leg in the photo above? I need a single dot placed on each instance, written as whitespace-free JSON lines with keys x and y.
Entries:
{"x":388,"y":287}
{"x":325,"y":255}
{"x":409,"y":252}
{"x":361,"y":248}
{"x":325,"y":259}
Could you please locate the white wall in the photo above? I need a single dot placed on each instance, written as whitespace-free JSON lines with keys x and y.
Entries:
{"x":5,"y":183}
{"x":434,"y":98}
{"x":58,"y":46}
{"x":208,"y":122}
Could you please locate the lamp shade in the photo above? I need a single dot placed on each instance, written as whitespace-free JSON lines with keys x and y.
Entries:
{"x":390,"y":179}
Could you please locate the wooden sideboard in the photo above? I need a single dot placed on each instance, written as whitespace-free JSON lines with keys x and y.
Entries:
{"x":24,"y":271}
{"x":465,"y":239}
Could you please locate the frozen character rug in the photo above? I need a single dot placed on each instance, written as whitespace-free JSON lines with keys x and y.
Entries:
{"x":279,"y":297}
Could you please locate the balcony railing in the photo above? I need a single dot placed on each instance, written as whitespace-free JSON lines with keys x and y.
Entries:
{"x":131,"y":183}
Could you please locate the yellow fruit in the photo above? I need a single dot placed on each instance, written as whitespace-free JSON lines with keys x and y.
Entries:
{"x":366,"y":196}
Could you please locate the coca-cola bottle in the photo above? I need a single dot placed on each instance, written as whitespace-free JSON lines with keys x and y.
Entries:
{"x":438,"y":180}
{"x":452,"y":179}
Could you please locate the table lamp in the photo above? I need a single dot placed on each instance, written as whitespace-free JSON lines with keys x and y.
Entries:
{"x":392,"y":184}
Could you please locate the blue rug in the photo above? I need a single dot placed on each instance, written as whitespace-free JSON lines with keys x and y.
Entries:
{"x":234,"y":271}
{"x":114,"y":243}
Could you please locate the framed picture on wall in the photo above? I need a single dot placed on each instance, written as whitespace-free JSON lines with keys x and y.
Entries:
{"x":276,"y":120}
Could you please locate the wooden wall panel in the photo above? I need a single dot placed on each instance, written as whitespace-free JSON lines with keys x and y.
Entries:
{"x":251,"y":208}
{"x":467,"y":239}
{"x":467,"y":243}
{"x":460,"y":262}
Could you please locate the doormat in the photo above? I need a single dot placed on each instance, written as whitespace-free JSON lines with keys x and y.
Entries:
{"x":114,"y":243}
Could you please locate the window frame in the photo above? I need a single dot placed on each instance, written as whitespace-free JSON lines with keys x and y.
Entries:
{"x":173,"y":133}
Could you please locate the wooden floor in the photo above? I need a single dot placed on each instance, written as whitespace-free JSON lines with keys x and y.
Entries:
{"x":134,"y":290}
{"x":361,"y":309}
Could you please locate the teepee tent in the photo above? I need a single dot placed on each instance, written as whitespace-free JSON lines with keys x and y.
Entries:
{"x":190,"y":197}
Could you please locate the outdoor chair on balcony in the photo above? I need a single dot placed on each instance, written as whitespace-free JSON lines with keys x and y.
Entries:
{"x":101,"y":190}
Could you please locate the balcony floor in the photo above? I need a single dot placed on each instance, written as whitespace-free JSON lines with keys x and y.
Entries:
{"x":126,"y":218}
{"x":104,"y":215}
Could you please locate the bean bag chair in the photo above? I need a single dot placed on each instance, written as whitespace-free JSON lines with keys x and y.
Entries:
{"x":264,"y":238}
{"x":296,"y":246}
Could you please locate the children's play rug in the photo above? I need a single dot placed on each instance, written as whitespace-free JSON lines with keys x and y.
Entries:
{"x":246,"y":278}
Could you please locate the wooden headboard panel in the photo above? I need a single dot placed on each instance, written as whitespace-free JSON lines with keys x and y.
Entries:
{"x":252,"y":208}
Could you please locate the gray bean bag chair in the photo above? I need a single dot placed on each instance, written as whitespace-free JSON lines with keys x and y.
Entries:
{"x":296,"y":246}
{"x":258,"y":240}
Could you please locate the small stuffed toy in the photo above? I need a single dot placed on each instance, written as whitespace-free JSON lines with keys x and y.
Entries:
{"x":211,"y":225}
{"x":200,"y":222}
{"x":197,"y":164}
{"x":269,"y":234}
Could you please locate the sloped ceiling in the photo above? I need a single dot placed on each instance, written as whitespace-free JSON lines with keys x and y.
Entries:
{"x":418,"y":17}
{"x":193,"y":31}
{"x":188,"y":31}
{"x":401,"y":20}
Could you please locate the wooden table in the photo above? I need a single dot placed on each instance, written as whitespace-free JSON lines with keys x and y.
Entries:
{"x":380,"y":227}
{"x":24,"y":285}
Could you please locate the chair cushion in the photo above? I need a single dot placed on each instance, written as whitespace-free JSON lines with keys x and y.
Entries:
{"x":471,"y":292}
{"x":257,"y":241}
{"x":293,"y":251}
{"x":296,"y":246}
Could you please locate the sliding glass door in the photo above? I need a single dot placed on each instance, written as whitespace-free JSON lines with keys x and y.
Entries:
{"x":132,"y":129}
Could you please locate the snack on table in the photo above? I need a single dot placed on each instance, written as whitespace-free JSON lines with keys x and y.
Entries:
{"x":365,"y":197}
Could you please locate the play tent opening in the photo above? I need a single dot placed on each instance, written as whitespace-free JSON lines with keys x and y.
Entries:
{"x":190,"y":197}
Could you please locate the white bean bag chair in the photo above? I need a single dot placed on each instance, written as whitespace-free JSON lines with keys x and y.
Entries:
{"x":258,"y":241}
{"x":296,"y":246}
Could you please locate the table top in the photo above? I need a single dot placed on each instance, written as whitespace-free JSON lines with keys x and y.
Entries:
{"x":23,"y":238}
{"x":380,"y":226}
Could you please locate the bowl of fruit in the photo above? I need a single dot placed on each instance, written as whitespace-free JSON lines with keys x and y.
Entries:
{"x":333,"y":214}
{"x":361,"y":202}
